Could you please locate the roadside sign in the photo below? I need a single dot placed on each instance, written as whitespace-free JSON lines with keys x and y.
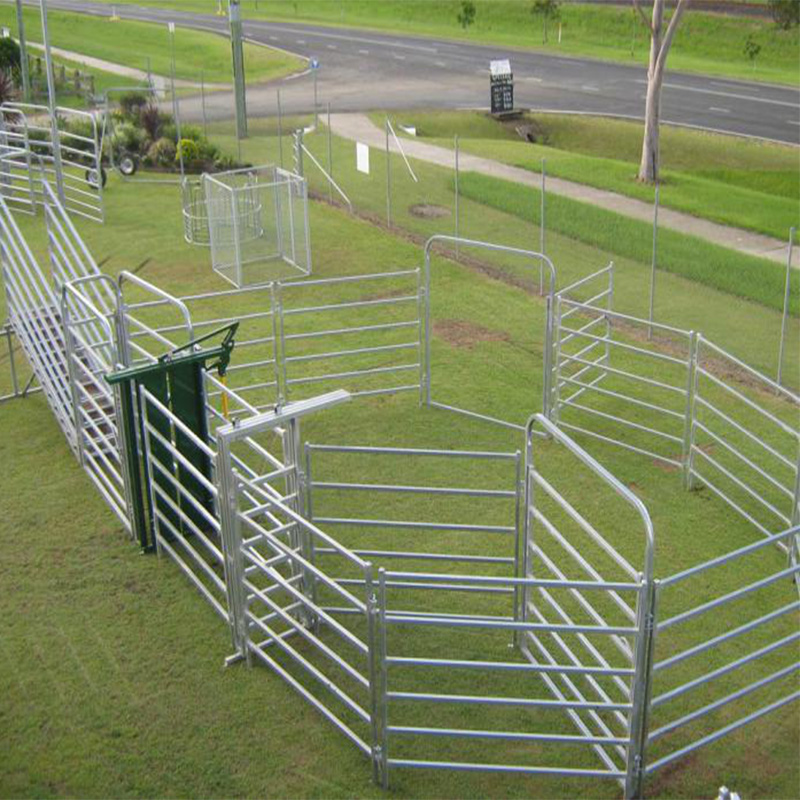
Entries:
{"x":171,"y":26}
{"x":362,"y":157}
{"x":314,"y":64}
{"x":501,"y":86}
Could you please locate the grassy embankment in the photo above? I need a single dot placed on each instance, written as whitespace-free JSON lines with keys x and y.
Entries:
{"x":744,"y":183}
{"x":144,"y":45}
{"x":707,"y":43}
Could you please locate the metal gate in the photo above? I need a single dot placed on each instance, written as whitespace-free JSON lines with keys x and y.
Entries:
{"x":65,"y":151}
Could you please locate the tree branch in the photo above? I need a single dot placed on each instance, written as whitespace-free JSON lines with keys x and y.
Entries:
{"x":642,"y":15}
{"x":671,"y":28}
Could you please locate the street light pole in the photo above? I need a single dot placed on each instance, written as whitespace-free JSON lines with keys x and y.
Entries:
{"x":239,"y":90}
{"x":51,"y":104}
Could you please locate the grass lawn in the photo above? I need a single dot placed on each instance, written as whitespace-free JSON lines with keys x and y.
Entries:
{"x":579,"y":239}
{"x":708,"y":43}
{"x":140,"y":44}
{"x":739,"y":182}
{"x":112,"y":678}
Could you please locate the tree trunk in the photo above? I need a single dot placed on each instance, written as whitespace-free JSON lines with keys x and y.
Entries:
{"x":659,"y":48}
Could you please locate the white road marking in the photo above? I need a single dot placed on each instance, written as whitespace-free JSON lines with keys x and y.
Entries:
{"x":273,"y":38}
{"x":727,"y":94}
{"x":530,"y":78}
{"x":720,"y":110}
{"x":364,"y":52}
{"x":352,"y":39}
{"x":331,"y":47}
{"x":590,"y":89}
{"x":301,"y":41}
{"x":440,"y":63}
{"x":793,"y":121}
{"x":399,"y":57}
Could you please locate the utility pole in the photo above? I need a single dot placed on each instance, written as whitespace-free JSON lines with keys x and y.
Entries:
{"x":51,"y":103}
{"x":235,"y":20}
{"x":23,"y":53}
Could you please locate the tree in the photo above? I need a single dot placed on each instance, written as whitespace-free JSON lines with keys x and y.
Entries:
{"x":549,"y":9}
{"x":660,"y":42}
{"x":467,"y":14}
{"x":786,"y":13}
{"x":751,"y":49}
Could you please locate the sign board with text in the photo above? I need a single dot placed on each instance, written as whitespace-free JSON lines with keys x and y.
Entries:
{"x":501,"y":86}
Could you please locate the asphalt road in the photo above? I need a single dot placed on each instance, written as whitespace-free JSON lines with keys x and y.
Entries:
{"x":362,"y":70}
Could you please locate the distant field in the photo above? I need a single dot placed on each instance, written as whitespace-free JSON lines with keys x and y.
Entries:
{"x":740,"y":182}
{"x":142,"y":45}
{"x":705,"y":42}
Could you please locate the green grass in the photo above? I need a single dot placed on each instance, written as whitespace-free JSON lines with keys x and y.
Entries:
{"x":707,"y":43}
{"x":140,"y":44}
{"x":112,"y":678}
{"x":743,"y":183}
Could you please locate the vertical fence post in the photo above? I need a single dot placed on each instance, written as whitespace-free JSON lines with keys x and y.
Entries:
{"x":280,"y":130}
{"x":542,"y":225}
{"x":203,"y":101}
{"x":384,"y":680}
{"x":316,"y":108}
{"x":11,"y":364}
{"x":653,"y":264}
{"x":641,"y":688}
{"x":610,"y":307}
{"x":786,"y":293}
{"x":456,"y":189}
{"x":330,"y":156}
{"x":688,"y":421}
{"x":519,"y":553}
{"x":231,"y":535}
{"x":388,"y":179}
{"x":51,"y":98}
{"x":373,"y":657}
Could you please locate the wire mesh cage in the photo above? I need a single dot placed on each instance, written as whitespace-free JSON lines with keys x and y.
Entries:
{"x":195,"y":212}
{"x":258,"y":224}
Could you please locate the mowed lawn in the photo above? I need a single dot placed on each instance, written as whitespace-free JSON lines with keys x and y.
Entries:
{"x":146,"y":46}
{"x":739,"y":182}
{"x":113,"y":682}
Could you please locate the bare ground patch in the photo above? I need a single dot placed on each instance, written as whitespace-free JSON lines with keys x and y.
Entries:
{"x":461,"y":333}
{"x":428,"y":211}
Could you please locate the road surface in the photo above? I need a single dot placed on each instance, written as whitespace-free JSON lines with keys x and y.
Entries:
{"x":363,"y":70}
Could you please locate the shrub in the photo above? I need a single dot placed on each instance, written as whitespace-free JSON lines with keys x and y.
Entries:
{"x":152,"y":121}
{"x":162,"y":153}
{"x":82,"y":128}
{"x":131,"y":105}
{"x":6,"y":86}
{"x":189,"y":150}
{"x":127,"y":138}
{"x":786,"y":13}
{"x":9,"y":55}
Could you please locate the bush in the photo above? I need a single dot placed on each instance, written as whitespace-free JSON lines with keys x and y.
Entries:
{"x":9,"y":55}
{"x":152,"y":121}
{"x":786,"y":13}
{"x":131,"y":105}
{"x":6,"y":86}
{"x":127,"y":138}
{"x":190,"y":152}
{"x":162,"y":153}
{"x":82,"y":128}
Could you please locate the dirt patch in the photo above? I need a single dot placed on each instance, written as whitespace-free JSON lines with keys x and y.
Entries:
{"x":428,"y":211}
{"x":460,"y":333}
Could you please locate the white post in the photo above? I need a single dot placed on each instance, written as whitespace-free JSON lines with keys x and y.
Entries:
{"x":456,"y":208}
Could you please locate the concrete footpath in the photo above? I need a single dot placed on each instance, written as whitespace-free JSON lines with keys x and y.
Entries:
{"x":359,"y":127}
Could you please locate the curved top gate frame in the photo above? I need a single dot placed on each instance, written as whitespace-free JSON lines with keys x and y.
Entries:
{"x":552,"y":431}
{"x":543,"y":260}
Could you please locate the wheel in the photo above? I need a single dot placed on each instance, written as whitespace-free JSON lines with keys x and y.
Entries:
{"x":91,"y":177}
{"x":128,"y":165}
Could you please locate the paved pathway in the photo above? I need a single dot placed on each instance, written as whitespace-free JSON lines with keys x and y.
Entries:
{"x":360,"y":128}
